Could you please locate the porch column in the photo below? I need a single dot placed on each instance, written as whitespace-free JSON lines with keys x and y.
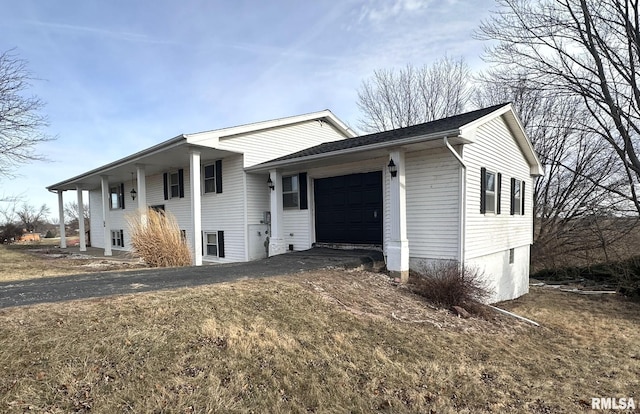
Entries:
{"x":196,"y":206}
{"x":141,"y":180}
{"x":81,"y":229}
{"x":398,"y":248}
{"x":63,"y":238}
{"x":106,"y":225}
{"x":276,"y":238}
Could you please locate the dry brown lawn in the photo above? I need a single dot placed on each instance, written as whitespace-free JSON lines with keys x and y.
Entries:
{"x":36,"y":260}
{"x":327,"y":341}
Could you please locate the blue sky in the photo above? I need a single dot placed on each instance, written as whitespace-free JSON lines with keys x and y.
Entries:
{"x":119,"y":76}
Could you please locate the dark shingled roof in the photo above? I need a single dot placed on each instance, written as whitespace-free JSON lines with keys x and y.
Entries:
{"x":433,"y":127}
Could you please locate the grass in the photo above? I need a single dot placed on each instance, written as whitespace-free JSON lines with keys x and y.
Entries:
{"x":37,"y":260}
{"x":330,"y":341}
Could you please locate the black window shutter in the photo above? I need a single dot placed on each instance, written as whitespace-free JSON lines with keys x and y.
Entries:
{"x":165,"y":181}
{"x":513,"y":196}
{"x":302,"y":182}
{"x":203,"y":241}
{"x":181,"y":182}
{"x":122,"y":238}
{"x":122,"y":195}
{"x":220,"y":243}
{"x":522,"y":198}
{"x":219,"y":176}
{"x":483,"y":190}
{"x":498,"y":193}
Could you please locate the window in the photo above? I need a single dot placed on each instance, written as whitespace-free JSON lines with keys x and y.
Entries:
{"x":490,"y":192}
{"x":117,"y":238}
{"x":511,"y":256}
{"x":290,"y":194}
{"x":116,"y":197}
{"x":213,"y":244}
{"x":174,"y":185}
{"x":209,"y":179}
{"x":517,"y":197}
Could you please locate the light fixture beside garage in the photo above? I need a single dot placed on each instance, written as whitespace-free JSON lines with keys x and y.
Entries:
{"x":270,"y":183}
{"x":393,"y":170}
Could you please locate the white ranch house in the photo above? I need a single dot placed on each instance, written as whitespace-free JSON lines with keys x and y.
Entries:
{"x":458,"y":188}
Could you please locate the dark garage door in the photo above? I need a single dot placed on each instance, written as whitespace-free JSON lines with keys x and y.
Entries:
{"x":349,"y":208}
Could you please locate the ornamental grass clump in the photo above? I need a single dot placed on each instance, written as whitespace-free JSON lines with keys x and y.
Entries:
{"x":156,"y":238}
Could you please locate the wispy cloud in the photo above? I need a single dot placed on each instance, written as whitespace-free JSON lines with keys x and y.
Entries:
{"x":103,"y":33}
{"x":377,"y":11}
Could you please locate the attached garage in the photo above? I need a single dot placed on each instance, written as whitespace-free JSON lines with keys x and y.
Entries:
{"x":348,"y":209}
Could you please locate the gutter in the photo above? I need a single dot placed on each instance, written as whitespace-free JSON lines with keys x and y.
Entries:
{"x":463,"y":198}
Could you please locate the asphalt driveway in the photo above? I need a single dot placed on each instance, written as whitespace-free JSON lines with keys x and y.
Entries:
{"x":83,"y":286}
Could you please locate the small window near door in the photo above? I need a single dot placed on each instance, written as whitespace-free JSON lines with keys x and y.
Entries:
{"x":290,"y":192}
{"x":211,"y":244}
{"x":511,"y":256}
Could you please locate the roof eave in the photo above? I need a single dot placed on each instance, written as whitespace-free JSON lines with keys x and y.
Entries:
{"x":163,"y":146}
{"x":387,"y":144}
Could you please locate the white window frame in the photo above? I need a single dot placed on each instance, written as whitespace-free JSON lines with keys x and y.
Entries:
{"x":117,"y":238}
{"x":170,"y":185}
{"x":212,"y":178}
{"x":206,"y":244}
{"x":295,"y":190}
{"x":492,"y":193}
{"x":517,"y":201}
{"x":115,"y":192}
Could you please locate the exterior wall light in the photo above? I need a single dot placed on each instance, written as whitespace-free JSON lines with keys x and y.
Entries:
{"x":270,"y":184}
{"x":133,"y":191}
{"x":393,"y":170}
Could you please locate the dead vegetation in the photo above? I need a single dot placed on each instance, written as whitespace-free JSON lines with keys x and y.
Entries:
{"x":327,"y":341}
{"x":32,"y":261}
{"x":156,"y":238}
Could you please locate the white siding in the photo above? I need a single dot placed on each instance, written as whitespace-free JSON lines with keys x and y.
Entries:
{"x":496,"y":150}
{"x":433,"y":204}
{"x":225,"y":211}
{"x":268,"y":144}
{"x":296,"y":229}
{"x":95,"y":223}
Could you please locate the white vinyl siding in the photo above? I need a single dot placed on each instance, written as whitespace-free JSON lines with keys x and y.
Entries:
{"x":496,"y":150}
{"x":433,"y":200}
{"x":225,"y":211}
{"x":268,"y":144}
{"x":296,"y":229}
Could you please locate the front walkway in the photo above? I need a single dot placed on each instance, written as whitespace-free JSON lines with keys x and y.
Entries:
{"x":85,"y":286}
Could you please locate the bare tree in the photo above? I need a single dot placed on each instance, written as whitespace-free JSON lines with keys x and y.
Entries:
{"x":587,"y":49}
{"x":72,"y":212}
{"x":21,"y":123}
{"x":410,"y":96}
{"x":32,"y":217}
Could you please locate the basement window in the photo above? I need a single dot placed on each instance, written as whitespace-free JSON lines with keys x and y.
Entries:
{"x":211,"y":244}
{"x":511,"y":256}
{"x":117,"y":238}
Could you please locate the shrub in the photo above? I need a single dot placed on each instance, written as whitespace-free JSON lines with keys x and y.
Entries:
{"x":157,"y":239}
{"x":450,"y":284}
{"x":49,"y":235}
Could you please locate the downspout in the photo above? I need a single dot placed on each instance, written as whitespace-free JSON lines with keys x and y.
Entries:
{"x":463,"y":198}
